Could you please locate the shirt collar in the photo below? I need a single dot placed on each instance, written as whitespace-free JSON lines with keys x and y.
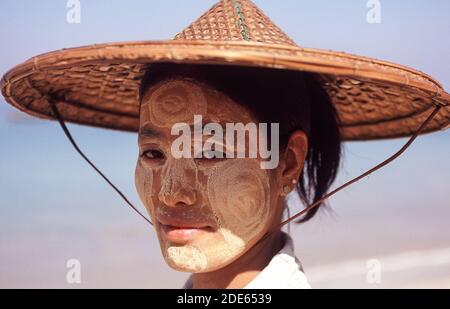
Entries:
{"x":284,"y":271}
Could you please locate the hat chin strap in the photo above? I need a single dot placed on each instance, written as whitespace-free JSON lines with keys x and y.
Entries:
{"x":54,"y":108}
{"x":377,"y":167}
{"x":53,"y":104}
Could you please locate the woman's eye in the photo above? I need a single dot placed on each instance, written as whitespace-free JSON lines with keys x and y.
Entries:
{"x":153,"y":155}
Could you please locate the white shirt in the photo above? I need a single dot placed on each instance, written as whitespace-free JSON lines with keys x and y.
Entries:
{"x":284,"y":271}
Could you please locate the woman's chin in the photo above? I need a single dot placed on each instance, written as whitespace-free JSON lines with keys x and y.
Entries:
{"x":186,"y":258}
{"x":206,"y":252}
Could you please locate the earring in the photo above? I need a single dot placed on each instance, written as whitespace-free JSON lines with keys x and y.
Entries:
{"x":286,"y":190}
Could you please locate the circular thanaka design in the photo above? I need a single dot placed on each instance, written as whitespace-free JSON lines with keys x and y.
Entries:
{"x":175,"y":101}
{"x":238,"y":191}
{"x":231,"y":196}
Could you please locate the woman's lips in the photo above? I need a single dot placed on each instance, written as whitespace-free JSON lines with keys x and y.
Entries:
{"x":180,"y":234}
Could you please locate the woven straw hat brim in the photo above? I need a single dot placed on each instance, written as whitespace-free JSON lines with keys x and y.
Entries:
{"x":98,"y":85}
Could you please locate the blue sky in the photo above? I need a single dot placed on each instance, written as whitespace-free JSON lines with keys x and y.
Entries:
{"x":47,"y":190}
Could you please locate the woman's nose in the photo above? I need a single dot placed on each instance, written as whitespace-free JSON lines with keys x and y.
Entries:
{"x":178,"y":184}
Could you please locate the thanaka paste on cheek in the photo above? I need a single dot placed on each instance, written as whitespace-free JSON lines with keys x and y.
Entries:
{"x":239,"y":194}
{"x":144,"y":185}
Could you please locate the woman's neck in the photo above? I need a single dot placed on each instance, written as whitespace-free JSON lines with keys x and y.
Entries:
{"x":242,"y":271}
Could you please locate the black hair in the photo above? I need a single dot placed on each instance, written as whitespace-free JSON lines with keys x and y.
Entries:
{"x":296,"y":100}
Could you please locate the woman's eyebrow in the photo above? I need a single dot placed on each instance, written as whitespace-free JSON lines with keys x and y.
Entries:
{"x":148,"y":132}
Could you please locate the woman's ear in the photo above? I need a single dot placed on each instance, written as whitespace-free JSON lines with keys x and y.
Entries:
{"x":293,"y":159}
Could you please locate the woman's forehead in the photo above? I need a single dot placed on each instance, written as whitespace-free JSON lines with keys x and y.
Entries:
{"x":179,"y":101}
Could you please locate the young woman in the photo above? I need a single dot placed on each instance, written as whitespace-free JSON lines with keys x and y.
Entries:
{"x":210,"y":213}
{"x":217,"y":212}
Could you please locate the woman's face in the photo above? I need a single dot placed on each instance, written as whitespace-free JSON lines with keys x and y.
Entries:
{"x":206,"y":212}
